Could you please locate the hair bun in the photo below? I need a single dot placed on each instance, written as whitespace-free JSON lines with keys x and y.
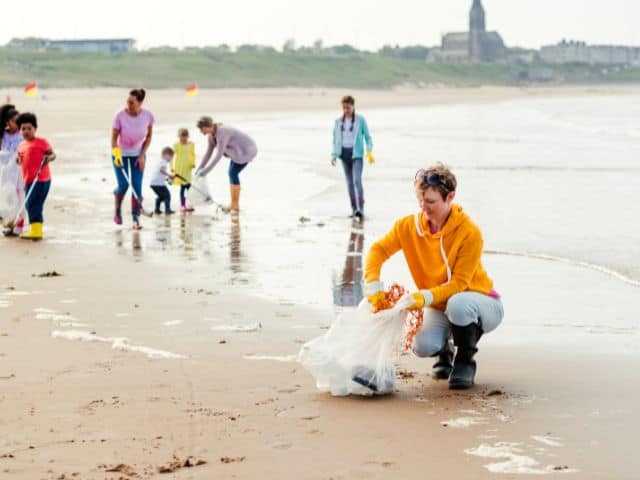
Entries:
{"x":139,"y":93}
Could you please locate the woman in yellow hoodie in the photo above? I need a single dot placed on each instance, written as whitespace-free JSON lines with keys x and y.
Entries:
{"x":443,"y":249}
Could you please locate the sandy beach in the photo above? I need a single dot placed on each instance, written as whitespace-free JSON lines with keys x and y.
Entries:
{"x":163,"y":387}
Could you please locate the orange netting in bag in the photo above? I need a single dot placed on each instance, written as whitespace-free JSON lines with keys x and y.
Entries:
{"x":414,"y":317}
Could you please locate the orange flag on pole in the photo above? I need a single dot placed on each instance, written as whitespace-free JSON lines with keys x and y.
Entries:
{"x":31,"y":90}
{"x":192,"y":90}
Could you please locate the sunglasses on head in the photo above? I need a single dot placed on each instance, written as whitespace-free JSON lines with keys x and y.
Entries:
{"x":432,"y":179}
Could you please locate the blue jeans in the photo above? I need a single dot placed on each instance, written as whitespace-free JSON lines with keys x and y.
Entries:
{"x":353,"y":173}
{"x":135,"y":175}
{"x":35,"y":203}
{"x":234,"y":172}
{"x":462,"y":310}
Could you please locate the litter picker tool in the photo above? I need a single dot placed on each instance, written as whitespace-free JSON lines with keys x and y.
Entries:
{"x":9,"y":229}
{"x":135,"y":195}
{"x":207,"y":197}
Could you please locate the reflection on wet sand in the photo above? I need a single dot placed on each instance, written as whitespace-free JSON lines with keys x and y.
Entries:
{"x":136,"y":242}
{"x":235,"y":252}
{"x":186,"y":232}
{"x":163,"y":232}
{"x":347,"y":288}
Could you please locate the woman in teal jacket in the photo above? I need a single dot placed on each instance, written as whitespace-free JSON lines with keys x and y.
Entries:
{"x":350,"y":134}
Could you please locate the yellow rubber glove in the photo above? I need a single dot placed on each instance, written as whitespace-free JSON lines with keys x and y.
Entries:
{"x":375,"y":295}
{"x":421,"y":299}
{"x":376,"y":301}
{"x":370,"y":158}
{"x":117,"y":157}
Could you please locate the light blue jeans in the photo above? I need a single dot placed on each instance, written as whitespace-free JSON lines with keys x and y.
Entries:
{"x":462,"y":310}
{"x":353,"y":173}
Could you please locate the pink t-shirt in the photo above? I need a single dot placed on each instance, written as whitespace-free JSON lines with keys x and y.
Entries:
{"x":133,"y":130}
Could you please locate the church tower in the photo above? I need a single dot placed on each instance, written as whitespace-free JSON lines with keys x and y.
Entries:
{"x":477,"y":29}
{"x":476,"y":17}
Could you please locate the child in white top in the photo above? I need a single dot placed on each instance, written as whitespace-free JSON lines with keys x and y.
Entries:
{"x":159,"y":176}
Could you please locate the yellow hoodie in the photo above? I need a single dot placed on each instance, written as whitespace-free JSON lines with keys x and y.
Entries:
{"x":446,"y":263}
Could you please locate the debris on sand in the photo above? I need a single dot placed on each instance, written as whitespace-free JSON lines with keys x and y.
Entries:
{"x":304,"y":220}
{"x":232,"y":459}
{"x":50,"y":274}
{"x":122,"y":468}
{"x":493,"y":393}
{"x":177,"y":464}
{"x":405,"y":374}
{"x":561,"y":467}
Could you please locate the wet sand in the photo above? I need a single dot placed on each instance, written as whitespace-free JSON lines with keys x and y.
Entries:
{"x":561,"y":405}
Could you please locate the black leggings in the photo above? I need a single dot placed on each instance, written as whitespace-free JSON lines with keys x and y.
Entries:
{"x":163,"y":196}
{"x":183,"y":191}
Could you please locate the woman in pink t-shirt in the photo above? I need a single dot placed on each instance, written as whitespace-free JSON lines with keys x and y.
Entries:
{"x":130,"y":139}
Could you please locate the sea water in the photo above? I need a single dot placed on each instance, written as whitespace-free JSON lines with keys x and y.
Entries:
{"x":553,"y":182}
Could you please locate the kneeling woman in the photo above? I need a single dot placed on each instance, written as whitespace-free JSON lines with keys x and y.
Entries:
{"x":231,"y":143}
{"x":443,"y":249}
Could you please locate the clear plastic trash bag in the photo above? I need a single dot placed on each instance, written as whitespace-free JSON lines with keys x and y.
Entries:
{"x":10,"y":184}
{"x":356,"y":356}
{"x":199,"y":193}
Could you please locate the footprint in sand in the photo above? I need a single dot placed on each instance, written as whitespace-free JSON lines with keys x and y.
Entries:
{"x":381,"y":464}
{"x":281,"y":445}
{"x":288,"y":390}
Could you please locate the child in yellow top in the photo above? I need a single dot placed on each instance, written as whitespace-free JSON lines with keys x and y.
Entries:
{"x":183,"y":164}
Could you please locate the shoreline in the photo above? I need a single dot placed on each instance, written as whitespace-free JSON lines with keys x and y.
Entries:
{"x":76,"y":110}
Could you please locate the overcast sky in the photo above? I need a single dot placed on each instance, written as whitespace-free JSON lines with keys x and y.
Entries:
{"x":367,"y":24}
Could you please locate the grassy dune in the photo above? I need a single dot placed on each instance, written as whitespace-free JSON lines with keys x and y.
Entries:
{"x":167,"y":68}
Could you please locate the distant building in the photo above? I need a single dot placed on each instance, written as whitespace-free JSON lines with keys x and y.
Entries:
{"x":476,"y":45}
{"x":115,"y":45}
{"x":580,"y":52}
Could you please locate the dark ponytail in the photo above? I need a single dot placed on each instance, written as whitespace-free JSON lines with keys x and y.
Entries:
{"x":139,"y":94}
{"x":7,"y":112}
{"x":349,"y":100}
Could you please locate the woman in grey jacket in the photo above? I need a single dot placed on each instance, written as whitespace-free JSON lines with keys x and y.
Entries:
{"x":237,"y":146}
{"x":351,"y":143}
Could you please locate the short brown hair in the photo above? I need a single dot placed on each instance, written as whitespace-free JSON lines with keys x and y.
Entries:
{"x":168,"y":151}
{"x":205,"y":121}
{"x":183,"y":132}
{"x":446,"y":181}
{"x":348,"y":99}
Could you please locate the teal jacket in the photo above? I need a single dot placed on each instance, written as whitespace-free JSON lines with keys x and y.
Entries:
{"x":362,"y":136}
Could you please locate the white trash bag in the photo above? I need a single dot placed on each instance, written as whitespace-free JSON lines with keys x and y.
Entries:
{"x":10,"y":183}
{"x":199,"y":193}
{"x":356,"y":355}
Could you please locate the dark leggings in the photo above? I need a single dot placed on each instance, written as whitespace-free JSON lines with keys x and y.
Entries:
{"x":234,"y":172}
{"x":35,"y":203}
{"x":163,"y":196}
{"x":183,"y":193}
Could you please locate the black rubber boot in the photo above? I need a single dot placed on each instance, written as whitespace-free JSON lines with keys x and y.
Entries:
{"x":443,"y":366}
{"x":464,"y":366}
